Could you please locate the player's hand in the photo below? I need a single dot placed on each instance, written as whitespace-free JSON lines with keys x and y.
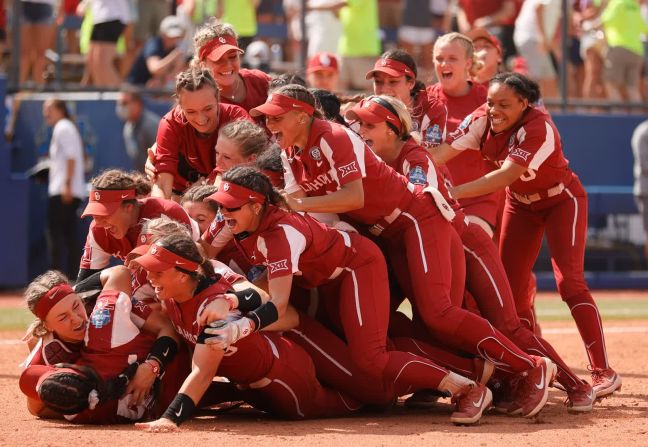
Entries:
{"x":294,"y":204}
{"x":141,"y":384}
{"x":227,"y":333}
{"x":66,"y":195}
{"x":216,"y":310}
{"x":149,"y":166}
{"x":161,"y":425}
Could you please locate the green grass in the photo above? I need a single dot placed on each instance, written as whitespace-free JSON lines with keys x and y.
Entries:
{"x":556,"y":310}
{"x":12,"y":319}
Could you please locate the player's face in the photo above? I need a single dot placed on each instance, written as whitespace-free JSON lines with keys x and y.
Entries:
{"x":170,"y":284}
{"x":398,"y":87}
{"x":201,"y":109}
{"x":324,"y":79}
{"x":378,"y":137}
{"x":226,"y":69}
{"x":228,"y":154}
{"x":451,"y":65}
{"x":68,"y":319}
{"x":286,"y":128}
{"x":201,"y":213}
{"x":118,"y":223}
{"x":487,"y":54}
{"x":505,"y":107}
{"x":245,"y":218}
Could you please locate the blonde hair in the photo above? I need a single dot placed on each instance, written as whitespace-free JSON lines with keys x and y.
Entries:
{"x":465,"y":42}
{"x":162,"y":226}
{"x":33,"y":294}
{"x":211,"y":30}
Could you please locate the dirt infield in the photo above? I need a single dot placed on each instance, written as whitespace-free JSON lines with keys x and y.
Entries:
{"x":620,"y":420}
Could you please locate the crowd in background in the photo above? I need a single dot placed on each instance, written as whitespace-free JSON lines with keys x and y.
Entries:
{"x":147,"y":42}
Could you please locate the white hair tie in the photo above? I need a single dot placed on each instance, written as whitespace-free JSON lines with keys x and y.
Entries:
{"x":93,"y":399}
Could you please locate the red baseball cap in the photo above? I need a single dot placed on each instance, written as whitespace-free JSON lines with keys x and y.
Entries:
{"x":370,"y":111}
{"x":278,"y":104}
{"x":231,"y":195}
{"x":158,"y":259}
{"x":482,"y":33}
{"x":323,"y":62}
{"x":217,"y":47}
{"x":392,"y":68}
{"x":104,"y":202}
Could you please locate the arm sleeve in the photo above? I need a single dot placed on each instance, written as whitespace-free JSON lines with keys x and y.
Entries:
{"x":535,"y":142}
{"x":168,"y":147}
{"x":290,"y":183}
{"x":282,"y":249}
{"x":469,"y":133}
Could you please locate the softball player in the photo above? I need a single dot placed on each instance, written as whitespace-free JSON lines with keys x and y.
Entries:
{"x":298,"y":249}
{"x":543,"y":194}
{"x":328,"y":168}
{"x":117,"y":215}
{"x":188,"y":133}
{"x":485,"y":275}
{"x":217,"y":50}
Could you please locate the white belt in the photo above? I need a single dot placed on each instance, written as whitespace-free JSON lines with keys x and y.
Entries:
{"x":530,"y":198}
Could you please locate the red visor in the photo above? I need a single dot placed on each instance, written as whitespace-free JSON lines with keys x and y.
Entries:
{"x":370,"y":111}
{"x":51,"y":298}
{"x":277,"y":104}
{"x":231,"y":195}
{"x":159,"y":259}
{"x":321,"y":62}
{"x":104,"y":202}
{"x":481,"y":33}
{"x":392,"y":68}
{"x":216,"y":48}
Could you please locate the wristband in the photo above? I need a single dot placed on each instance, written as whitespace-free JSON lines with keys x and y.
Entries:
{"x":248,"y":299}
{"x":264,"y":315}
{"x":163,"y":350}
{"x":180,"y":409}
{"x":155,"y":366}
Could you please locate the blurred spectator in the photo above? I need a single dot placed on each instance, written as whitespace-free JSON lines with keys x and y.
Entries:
{"x":640,"y":152}
{"x":644,"y":40}
{"x":389,"y":13}
{"x":416,"y":35}
{"x":70,"y":24}
{"x":162,"y":57}
{"x":623,"y":26}
{"x":109,"y":18}
{"x":241,"y":14}
{"x":285,"y":79}
{"x":360,"y":44}
{"x":66,"y":188}
{"x":322,"y":72}
{"x":140,"y":125}
{"x":257,"y":56}
{"x":488,"y":52}
{"x":535,"y":32}
{"x":592,"y":46}
{"x":149,"y":16}
{"x":37,"y":18}
{"x":323,"y":26}
{"x":194,"y":13}
{"x":498,"y":16}
{"x":3,"y":32}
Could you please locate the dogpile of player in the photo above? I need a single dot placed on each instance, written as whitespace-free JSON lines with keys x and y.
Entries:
{"x":265,"y":256}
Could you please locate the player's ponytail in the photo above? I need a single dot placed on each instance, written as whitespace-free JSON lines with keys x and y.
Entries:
{"x":523,"y":86}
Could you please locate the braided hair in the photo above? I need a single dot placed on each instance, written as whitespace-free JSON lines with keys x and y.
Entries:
{"x":523,"y":86}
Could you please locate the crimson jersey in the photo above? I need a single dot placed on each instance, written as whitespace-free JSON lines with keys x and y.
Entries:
{"x":246,"y":361}
{"x":335,"y":156}
{"x":101,"y":245}
{"x":415,"y":163}
{"x":295,"y":244}
{"x":256,"y":88}
{"x":183,"y":152}
{"x":533,"y":143}
{"x":431,"y":116}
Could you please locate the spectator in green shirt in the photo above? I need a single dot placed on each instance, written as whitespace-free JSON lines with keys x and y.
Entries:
{"x":241,"y":14}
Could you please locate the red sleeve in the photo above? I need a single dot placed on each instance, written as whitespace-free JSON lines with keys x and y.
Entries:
{"x":140,"y":310}
{"x":282,"y":248}
{"x":434,"y":123}
{"x":176,"y":212}
{"x":469,"y":133}
{"x":230,"y":112}
{"x":345,"y":152}
{"x":168,"y":145}
{"x":533,"y":144}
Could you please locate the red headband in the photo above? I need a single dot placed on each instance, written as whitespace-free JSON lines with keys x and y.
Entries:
{"x":51,"y":298}
{"x":104,"y":202}
{"x":231,"y":195}
{"x":159,"y":259}
{"x":217,"y":47}
{"x":370,"y":111}
{"x":278,"y":104}
{"x":391,"y":67}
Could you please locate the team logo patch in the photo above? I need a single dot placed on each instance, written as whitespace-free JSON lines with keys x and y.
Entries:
{"x":517,"y":152}
{"x":143,"y":238}
{"x":465,"y":123}
{"x":154,"y":249}
{"x":348,"y":169}
{"x":433,"y":135}
{"x":417,"y":176}
{"x":325,"y":60}
{"x":222,"y":40}
{"x":278,"y":266}
{"x":384,"y":62}
{"x":97,"y":196}
{"x":316,"y":154}
{"x":100,"y":318}
{"x":226,"y":187}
